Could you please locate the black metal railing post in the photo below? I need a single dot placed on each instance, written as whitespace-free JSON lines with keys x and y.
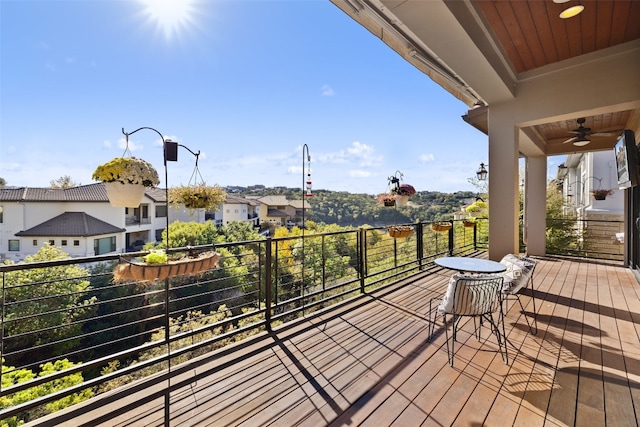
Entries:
{"x":419,"y":244}
{"x":362,"y":257}
{"x":451,"y":239}
{"x":267,"y":283}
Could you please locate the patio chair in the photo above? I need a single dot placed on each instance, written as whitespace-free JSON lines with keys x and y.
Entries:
{"x":519,"y":273}
{"x":475,"y":296}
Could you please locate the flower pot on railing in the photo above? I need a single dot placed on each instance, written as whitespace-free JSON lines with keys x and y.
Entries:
{"x":125,"y":180}
{"x":469,"y":223}
{"x":149,"y":271}
{"x":441,"y":226}
{"x":400,"y":231}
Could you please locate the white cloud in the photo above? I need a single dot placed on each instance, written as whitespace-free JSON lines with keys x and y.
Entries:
{"x":359,"y":174}
{"x":122,"y":143}
{"x":425,"y":158}
{"x":361,"y":154}
{"x":327,"y":90}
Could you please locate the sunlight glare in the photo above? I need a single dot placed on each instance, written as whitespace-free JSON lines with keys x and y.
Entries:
{"x":169,"y":16}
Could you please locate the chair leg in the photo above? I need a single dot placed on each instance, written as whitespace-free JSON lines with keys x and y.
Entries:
{"x":450,"y":351}
{"x":535,"y":313}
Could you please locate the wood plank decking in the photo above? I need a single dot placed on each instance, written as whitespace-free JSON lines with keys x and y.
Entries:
{"x":370,"y":363}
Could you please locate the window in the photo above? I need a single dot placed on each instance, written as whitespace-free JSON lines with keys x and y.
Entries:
{"x":14,"y":245}
{"x":159,"y":235}
{"x":35,"y":242}
{"x":63,"y":243}
{"x":145,"y":211}
{"x":76,"y":243}
{"x":1,"y":214}
{"x":52,"y":242}
{"x":161,"y":211}
{"x":105,"y":245}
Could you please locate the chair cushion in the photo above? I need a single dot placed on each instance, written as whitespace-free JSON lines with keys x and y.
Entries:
{"x":517,"y":274}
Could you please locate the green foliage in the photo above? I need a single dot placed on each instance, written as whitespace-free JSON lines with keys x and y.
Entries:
{"x":561,"y":232}
{"x":156,"y":257}
{"x":12,"y":376}
{"x":51,"y":300}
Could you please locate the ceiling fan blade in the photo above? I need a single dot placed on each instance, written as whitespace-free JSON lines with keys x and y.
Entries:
{"x":603,"y":134}
{"x":573,"y":138}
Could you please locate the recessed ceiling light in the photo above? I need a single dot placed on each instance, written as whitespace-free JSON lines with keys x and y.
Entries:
{"x":572,"y":11}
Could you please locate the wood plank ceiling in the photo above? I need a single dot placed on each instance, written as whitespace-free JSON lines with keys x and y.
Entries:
{"x":531,"y":35}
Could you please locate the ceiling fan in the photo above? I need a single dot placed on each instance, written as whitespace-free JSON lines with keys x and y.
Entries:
{"x":580,"y":139}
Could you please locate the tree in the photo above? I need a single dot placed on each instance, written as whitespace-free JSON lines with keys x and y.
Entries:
{"x":3,"y":182}
{"x":63,"y":182}
{"x":49,"y":301}
{"x":12,"y":376}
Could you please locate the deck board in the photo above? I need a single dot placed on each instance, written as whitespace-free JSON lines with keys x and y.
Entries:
{"x":372,"y":363}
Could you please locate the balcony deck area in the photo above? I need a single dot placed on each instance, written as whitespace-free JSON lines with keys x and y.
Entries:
{"x":370,"y":362}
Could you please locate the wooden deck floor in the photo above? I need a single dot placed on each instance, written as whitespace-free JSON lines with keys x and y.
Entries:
{"x":371,"y":363}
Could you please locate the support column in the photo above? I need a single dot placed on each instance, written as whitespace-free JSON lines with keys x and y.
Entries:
{"x":535,"y":205}
{"x":503,"y":182}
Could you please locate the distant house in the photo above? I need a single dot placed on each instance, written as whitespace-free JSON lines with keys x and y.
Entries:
{"x":81,"y":221}
{"x":582,"y":173}
{"x":601,"y":220}
{"x":236,"y":208}
{"x":279,"y":211}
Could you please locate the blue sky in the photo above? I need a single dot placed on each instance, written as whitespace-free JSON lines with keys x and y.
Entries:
{"x":245,"y":82}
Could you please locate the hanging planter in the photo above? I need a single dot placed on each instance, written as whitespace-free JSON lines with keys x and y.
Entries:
{"x":386,"y":199}
{"x":158,"y":267}
{"x":125,"y":180}
{"x":402,"y":191}
{"x":469,"y":222}
{"x":198,"y":196}
{"x":477,"y":208}
{"x":396,"y":231}
{"x":601,"y":194}
{"x":441,"y":226}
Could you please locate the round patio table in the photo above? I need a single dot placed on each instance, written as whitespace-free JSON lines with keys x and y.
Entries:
{"x":470,"y":265}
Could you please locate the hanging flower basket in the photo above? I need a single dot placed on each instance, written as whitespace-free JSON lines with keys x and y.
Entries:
{"x":601,"y":194}
{"x":400,"y":231}
{"x":197,"y":197}
{"x":386,"y":199}
{"x":441,"y":226}
{"x":125,"y":180}
{"x":477,"y":208}
{"x":402,"y":200}
{"x":470,"y":223}
{"x":187,"y":265}
{"x":124,"y":195}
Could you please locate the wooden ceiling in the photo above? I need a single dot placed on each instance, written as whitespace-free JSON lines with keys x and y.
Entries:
{"x":531,"y":33}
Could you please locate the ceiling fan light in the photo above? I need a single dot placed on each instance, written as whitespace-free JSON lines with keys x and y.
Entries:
{"x":572,"y":11}
{"x":581,"y":142}
{"x":560,"y":1}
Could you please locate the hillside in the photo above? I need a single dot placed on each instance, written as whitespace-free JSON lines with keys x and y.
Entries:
{"x":353,"y":210}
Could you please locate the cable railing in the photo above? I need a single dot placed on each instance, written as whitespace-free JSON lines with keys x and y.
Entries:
{"x":69,"y":331}
{"x":586,"y":238}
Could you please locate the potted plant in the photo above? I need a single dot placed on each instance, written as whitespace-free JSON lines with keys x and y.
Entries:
{"x":476,"y":208}
{"x":601,"y":193}
{"x":386,"y":199}
{"x":198,"y":196}
{"x":157,"y":265}
{"x":396,"y":231}
{"x":403,"y":192}
{"x":126,"y":179}
{"x":441,"y":226}
{"x":469,"y":222}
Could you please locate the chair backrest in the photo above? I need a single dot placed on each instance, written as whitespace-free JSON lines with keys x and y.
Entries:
{"x":519,"y":271}
{"x":472,"y":295}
